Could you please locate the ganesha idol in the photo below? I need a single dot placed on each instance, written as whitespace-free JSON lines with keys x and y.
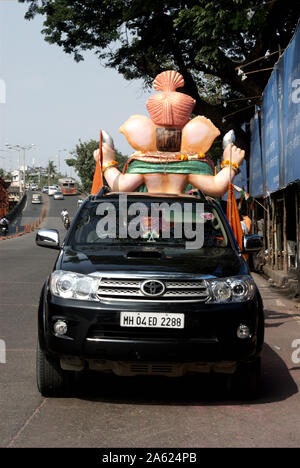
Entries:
{"x":170,"y":147}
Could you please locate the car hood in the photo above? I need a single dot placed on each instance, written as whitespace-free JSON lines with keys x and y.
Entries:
{"x":217,"y":262}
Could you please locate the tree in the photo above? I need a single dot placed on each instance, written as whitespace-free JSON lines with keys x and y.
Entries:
{"x":206,"y":41}
{"x":84,"y":163}
{"x":51,"y":169}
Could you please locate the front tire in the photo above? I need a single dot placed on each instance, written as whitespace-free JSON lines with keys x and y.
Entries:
{"x":52,"y":381}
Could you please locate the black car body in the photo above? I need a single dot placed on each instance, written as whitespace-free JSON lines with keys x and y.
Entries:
{"x":149,"y":305}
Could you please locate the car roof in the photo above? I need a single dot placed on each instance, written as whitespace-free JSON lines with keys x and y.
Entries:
{"x":197,"y":196}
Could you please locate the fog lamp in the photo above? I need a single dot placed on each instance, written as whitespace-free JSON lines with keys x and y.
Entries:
{"x":243,"y":332}
{"x":60,"y":327}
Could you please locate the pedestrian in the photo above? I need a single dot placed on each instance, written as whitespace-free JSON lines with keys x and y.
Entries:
{"x":244,"y":226}
{"x":247,"y":221}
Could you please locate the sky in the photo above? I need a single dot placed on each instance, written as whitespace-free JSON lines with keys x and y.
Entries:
{"x":50,"y":101}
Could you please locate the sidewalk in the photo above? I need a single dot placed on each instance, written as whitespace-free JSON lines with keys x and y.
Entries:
{"x":287,"y":282}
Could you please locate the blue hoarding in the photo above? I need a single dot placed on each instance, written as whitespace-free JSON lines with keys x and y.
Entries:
{"x":270,"y":143}
{"x":280,"y":124}
{"x":256,"y":187}
{"x":291,"y":113}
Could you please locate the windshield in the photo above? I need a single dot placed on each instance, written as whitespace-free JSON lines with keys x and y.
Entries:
{"x":188,"y":224}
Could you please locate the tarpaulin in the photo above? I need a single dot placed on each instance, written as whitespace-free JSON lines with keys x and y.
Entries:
{"x":290,"y":115}
{"x":269,"y":130}
{"x":280,"y":125}
{"x":256,"y":185}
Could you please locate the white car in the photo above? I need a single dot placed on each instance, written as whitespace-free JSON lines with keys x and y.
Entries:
{"x":52,"y":190}
{"x":58,"y":196}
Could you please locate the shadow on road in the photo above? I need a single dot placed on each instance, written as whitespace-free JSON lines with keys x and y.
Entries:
{"x":274,"y":315}
{"x":277,"y":385}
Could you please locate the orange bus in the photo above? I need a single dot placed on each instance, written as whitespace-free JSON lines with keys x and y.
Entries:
{"x":68,"y":186}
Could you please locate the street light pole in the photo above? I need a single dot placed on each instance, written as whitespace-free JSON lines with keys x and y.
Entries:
{"x":3,"y":157}
{"x":15,"y":147}
{"x":64,"y":149}
{"x":24,"y":148}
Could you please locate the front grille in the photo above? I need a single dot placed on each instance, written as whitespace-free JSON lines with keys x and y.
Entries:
{"x":175,"y":290}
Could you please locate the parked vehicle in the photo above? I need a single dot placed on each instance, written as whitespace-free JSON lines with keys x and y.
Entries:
{"x":36,"y":198}
{"x":58,"y":196}
{"x":151,"y":304}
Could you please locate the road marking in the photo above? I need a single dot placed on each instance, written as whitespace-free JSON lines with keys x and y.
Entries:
{"x":27,"y":422}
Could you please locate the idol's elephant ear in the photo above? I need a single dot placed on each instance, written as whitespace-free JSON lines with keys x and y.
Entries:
{"x":198,"y":135}
{"x":139,"y":131}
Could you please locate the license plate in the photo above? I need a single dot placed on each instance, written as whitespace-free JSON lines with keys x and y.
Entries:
{"x":148,"y":320}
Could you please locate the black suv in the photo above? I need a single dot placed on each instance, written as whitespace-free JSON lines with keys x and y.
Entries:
{"x":149,"y":284}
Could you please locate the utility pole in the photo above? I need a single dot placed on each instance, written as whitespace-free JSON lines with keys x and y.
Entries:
{"x":59,"y":151}
{"x":24,"y":148}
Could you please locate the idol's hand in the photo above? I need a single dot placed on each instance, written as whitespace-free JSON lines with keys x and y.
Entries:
{"x":108,"y":153}
{"x":237,"y":154}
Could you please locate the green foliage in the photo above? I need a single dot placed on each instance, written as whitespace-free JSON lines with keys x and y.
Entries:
{"x":84,"y":163}
{"x":51,"y":169}
{"x":204,"y":40}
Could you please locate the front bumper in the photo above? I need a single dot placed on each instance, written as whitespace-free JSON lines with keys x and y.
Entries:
{"x":94,"y":332}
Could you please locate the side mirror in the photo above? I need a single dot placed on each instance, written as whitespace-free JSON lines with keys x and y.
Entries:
{"x":48,"y":238}
{"x":252,"y":243}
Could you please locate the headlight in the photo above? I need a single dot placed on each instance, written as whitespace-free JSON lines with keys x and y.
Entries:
{"x":221,"y":291}
{"x":74,"y":285}
{"x":232,"y":289}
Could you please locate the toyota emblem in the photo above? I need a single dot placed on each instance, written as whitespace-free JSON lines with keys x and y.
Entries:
{"x":153,"y":288}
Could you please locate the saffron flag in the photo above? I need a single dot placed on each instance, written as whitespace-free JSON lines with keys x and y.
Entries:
{"x":98,"y":177}
{"x":233,"y":216}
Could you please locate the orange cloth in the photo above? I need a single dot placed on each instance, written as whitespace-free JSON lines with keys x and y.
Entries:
{"x":248,"y":223}
{"x":98,"y":179}
{"x":98,"y":174}
{"x":234,"y":217}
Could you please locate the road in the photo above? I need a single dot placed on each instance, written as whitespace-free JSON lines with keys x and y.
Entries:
{"x":136,"y":412}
